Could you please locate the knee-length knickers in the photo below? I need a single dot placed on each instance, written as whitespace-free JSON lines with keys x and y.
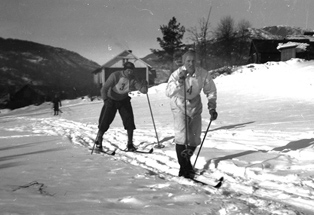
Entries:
{"x":109,"y":111}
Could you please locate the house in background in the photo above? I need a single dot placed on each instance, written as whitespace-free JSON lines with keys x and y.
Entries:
{"x":142,"y":69}
{"x":291,"y":49}
{"x":262,"y":51}
{"x":25,"y":96}
{"x":297,"y":46}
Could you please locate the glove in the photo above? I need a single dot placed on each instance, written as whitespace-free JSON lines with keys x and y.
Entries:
{"x":144,"y":83}
{"x":213,"y":114}
{"x":144,"y":86}
{"x":182,"y":76}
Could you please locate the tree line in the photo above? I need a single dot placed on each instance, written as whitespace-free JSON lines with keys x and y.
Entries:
{"x":225,"y":45}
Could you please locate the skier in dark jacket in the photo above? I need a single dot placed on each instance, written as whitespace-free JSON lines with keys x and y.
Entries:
{"x":56,"y":105}
{"x":115,"y":95}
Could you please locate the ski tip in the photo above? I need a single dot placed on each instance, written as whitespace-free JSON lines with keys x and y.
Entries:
{"x":218,"y":185}
{"x":151,"y":150}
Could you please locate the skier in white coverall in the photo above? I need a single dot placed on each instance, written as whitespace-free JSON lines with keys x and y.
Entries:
{"x":195,"y":79}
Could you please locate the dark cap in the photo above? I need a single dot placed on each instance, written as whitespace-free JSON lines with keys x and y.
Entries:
{"x":128,"y":65}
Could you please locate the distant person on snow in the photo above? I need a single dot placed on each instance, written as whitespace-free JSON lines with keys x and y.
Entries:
{"x":56,"y":105}
{"x":115,"y":95}
{"x":184,"y":88}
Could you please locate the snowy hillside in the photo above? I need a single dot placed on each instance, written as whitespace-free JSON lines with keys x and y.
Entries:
{"x":262,"y":144}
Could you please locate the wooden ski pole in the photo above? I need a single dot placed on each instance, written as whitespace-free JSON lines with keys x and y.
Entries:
{"x":151,"y":113}
{"x":202,"y":142}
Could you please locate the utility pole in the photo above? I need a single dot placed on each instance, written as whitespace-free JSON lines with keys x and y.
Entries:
{"x":204,"y":45}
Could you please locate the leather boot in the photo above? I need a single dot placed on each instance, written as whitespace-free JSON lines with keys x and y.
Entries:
{"x":99,"y":139}
{"x":130,"y":145}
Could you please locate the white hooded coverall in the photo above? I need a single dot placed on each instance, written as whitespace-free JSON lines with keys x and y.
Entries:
{"x":201,"y":79}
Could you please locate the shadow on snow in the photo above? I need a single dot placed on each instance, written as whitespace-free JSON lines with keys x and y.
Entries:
{"x":294,"y":145}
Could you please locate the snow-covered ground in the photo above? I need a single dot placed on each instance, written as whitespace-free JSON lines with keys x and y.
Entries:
{"x":262,"y":144}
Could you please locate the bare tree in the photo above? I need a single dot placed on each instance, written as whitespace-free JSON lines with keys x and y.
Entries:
{"x":225,"y":28}
{"x":242,"y":41}
{"x":243,"y":25}
{"x":200,"y":36}
{"x":225,"y":37}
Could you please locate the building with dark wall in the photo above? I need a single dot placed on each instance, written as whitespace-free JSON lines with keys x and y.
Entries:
{"x":24,"y":97}
{"x":262,"y":51}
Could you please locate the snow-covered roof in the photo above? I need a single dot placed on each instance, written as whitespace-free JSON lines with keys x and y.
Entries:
{"x":300,"y":37}
{"x":126,"y":55}
{"x":298,"y":46}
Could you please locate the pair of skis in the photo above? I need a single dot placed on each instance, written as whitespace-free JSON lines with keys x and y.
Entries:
{"x":113,"y":152}
{"x":198,"y":178}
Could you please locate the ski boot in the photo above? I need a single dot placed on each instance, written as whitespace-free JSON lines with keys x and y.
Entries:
{"x":131,"y":147}
{"x":98,"y":143}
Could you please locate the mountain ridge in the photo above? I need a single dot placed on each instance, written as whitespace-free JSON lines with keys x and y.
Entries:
{"x":49,"y":69}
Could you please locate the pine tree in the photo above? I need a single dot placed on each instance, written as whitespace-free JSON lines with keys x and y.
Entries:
{"x":171,"y":40}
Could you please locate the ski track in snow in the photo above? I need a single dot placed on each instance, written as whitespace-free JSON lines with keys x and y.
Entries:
{"x":245,"y":180}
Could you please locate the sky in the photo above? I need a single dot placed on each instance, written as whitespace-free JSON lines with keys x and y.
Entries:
{"x":101,"y":29}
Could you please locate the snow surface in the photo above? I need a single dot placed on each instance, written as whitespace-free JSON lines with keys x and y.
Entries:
{"x":262,"y":144}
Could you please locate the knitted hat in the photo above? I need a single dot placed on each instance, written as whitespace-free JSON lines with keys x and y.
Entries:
{"x":128,"y":65}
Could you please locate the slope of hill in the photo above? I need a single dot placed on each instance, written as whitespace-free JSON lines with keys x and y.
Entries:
{"x":46,"y":68}
{"x":258,"y":33}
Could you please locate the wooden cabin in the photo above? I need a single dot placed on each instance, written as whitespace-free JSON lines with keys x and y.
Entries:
{"x":142,"y":69}
{"x":26,"y":96}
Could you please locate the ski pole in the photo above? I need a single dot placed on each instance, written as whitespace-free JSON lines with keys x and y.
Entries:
{"x":93,"y":148}
{"x":151,"y":113}
{"x":187,"y":153}
{"x":202,"y":142}
{"x":185,"y":115}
